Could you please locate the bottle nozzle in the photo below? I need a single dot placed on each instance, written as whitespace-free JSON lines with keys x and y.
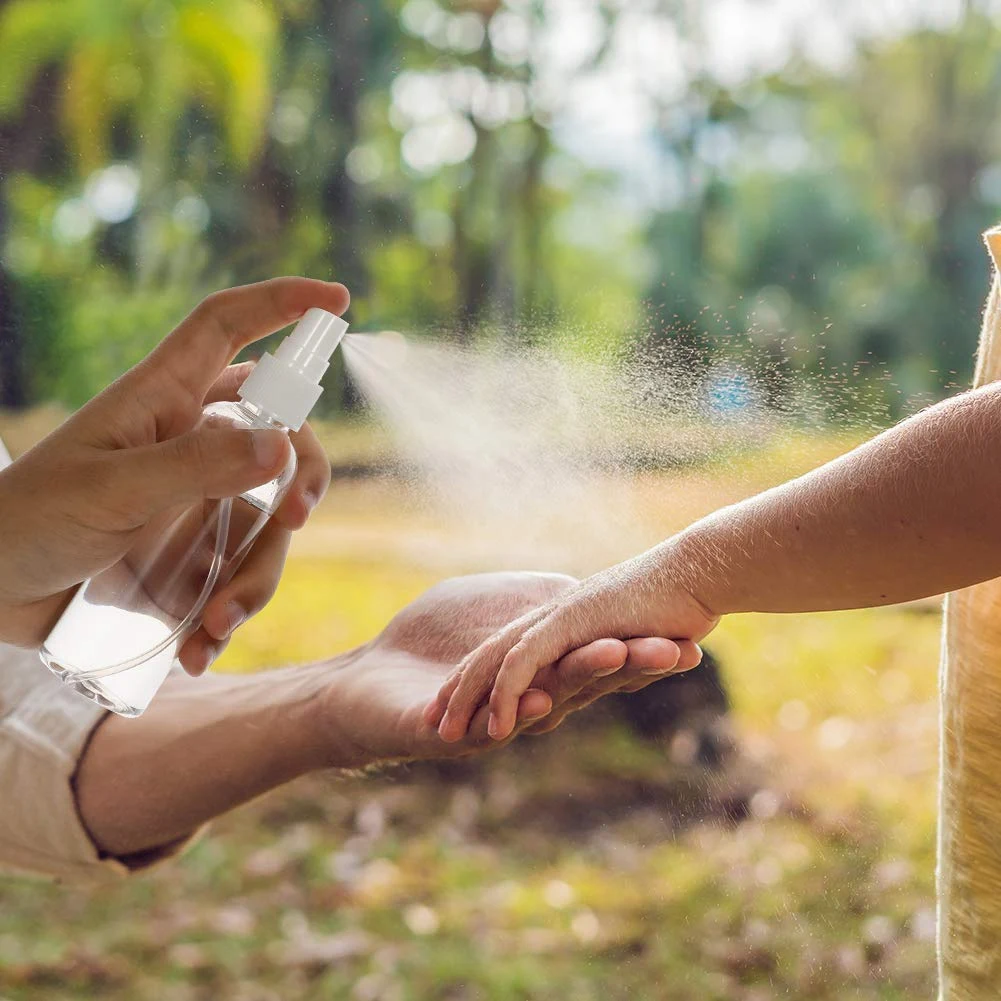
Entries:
{"x":311,"y":344}
{"x":286,"y":385}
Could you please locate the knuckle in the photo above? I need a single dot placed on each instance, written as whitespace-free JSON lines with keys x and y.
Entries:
{"x":505,"y":678}
{"x":209,"y":307}
{"x":513,"y":658}
{"x":214,"y":312}
{"x":141,"y":380}
{"x":102,"y":475}
{"x":462,"y":703}
{"x":213,"y":302}
{"x":193,"y":453}
{"x":276,"y":289}
{"x":458,"y":699}
{"x":111,"y":491}
{"x":471,"y":698}
{"x":255,"y":594}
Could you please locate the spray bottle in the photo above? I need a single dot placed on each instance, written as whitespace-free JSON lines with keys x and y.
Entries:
{"x":117,"y":639}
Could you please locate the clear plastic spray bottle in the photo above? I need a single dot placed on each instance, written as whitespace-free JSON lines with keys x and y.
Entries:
{"x":119,"y":635}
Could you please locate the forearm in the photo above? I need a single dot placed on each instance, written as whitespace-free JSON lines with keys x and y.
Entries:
{"x":202,"y":748}
{"x":909,"y":514}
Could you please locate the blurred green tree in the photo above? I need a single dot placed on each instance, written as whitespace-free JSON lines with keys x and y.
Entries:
{"x":133,"y":65}
{"x":916,"y":128}
{"x":126,"y":74}
{"x":418,"y":150}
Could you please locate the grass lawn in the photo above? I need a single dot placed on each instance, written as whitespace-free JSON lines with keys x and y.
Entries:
{"x":516,"y":879}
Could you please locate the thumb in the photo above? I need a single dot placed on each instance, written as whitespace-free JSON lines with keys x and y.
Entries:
{"x":206,"y":463}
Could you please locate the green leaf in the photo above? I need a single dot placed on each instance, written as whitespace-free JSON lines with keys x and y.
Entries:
{"x":33,"y":33}
{"x":233,"y":45}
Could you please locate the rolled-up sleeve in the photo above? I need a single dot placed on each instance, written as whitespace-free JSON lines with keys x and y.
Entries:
{"x":44,"y":731}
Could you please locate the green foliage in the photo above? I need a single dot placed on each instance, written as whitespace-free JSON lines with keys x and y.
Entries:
{"x":112,"y":330}
{"x":403,"y":147}
{"x":145,"y":61}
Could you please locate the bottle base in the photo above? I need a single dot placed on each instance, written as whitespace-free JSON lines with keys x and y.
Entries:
{"x":93,"y":690}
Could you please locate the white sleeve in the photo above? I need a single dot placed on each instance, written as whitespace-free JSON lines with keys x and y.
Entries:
{"x":44,"y":728}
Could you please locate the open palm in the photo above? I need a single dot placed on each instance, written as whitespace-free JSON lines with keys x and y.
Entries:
{"x":376,"y":699}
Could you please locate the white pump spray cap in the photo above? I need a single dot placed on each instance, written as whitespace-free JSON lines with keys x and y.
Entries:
{"x":286,"y":385}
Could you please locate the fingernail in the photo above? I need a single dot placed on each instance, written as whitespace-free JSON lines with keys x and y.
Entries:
{"x":657,"y":670}
{"x":605,"y":671}
{"x":268,"y":446}
{"x":493,"y":726}
{"x":235,"y":617}
{"x":443,"y":725}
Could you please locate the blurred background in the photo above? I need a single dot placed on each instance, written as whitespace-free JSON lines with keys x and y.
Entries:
{"x":780,"y":199}
{"x":810,"y":176}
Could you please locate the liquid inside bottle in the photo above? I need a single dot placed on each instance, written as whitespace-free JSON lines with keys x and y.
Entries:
{"x":120,"y":634}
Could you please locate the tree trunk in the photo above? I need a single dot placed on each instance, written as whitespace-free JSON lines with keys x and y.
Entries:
{"x":13,"y":378}
{"x":25,"y":144}
{"x":347,"y":30}
{"x":472,"y":257}
{"x":13,"y":384}
{"x":535,"y":220}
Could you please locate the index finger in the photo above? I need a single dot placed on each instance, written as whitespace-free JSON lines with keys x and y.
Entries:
{"x":204,"y":343}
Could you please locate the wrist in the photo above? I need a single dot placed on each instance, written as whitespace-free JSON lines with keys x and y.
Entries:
{"x":332,"y":717}
{"x":310,"y":739}
{"x":696,"y":576}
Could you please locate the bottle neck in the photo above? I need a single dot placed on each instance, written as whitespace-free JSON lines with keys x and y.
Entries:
{"x":260,"y":417}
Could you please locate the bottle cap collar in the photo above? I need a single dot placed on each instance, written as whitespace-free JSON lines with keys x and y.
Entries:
{"x":286,"y":385}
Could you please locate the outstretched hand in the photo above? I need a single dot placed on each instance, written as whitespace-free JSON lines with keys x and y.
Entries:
{"x":375,"y":706}
{"x":636,"y":598}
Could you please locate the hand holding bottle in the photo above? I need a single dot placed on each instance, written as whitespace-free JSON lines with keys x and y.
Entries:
{"x":76,"y":503}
